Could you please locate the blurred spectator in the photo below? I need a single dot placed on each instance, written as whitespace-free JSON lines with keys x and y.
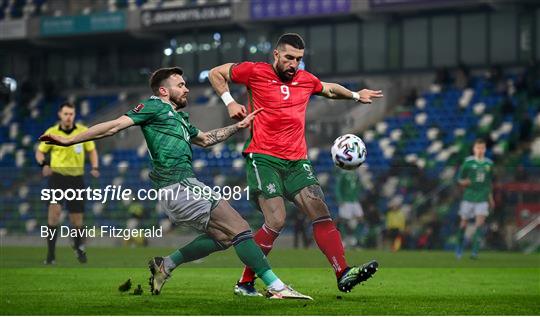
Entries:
{"x":507,"y":107}
{"x":424,"y":240}
{"x":26,"y":93}
{"x":301,"y":228}
{"x":521,"y":174}
{"x":443,"y":78}
{"x":526,"y":128}
{"x":496,"y":78}
{"x":373,"y":223}
{"x":463,"y":77}
{"x":136,"y":212}
{"x":49,"y":90}
{"x":410,"y":98}
{"x":4,"y":93}
{"x":530,"y":79}
{"x":494,"y":237}
{"x":395,"y":225}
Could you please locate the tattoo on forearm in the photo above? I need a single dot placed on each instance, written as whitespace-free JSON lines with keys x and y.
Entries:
{"x":220,"y":135}
{"x":315,"y":192}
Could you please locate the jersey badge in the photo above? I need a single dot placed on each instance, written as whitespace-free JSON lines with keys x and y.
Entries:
{"x":138,"y":108}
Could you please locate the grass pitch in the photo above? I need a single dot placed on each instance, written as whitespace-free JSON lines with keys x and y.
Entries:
{"x":419,"y":283}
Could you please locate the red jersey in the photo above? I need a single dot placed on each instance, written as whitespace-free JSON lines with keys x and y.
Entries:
{"x":279,"y":130}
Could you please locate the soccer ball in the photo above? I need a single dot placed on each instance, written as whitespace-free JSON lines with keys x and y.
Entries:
{"x":349,"y":152}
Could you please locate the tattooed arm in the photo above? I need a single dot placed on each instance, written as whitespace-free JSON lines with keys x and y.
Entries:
{"x":215,"y":136}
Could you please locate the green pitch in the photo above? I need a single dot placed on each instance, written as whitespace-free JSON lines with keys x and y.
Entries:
{"x":419,"y":283}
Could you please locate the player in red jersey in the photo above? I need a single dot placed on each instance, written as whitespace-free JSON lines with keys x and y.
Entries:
{"x":277,"y":165}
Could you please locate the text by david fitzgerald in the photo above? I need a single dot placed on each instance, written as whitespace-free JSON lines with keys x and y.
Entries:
{"x":101,"y":232}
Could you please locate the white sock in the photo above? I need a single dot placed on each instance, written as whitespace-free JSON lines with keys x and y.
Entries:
{"x":168,"y":264}
{"x":277,"y":285}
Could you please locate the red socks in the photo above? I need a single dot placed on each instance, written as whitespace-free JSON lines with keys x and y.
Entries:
{"x":264,"y":238}
{"x":325,"y":234}
{"x":329,"y":241}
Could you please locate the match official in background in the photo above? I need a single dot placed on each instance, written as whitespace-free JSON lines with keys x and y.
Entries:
{"x":65,"y":170}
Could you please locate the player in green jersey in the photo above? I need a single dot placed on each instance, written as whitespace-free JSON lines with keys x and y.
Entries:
{"x":350,"y":211}
{"x":169,"y":135}
{"x":475,"y":174}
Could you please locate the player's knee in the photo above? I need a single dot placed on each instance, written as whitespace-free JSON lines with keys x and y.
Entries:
{"x":275,"y":221}
{"x":243,"y":225}
{"x":221,"y":237}
{"x":240,"y":226}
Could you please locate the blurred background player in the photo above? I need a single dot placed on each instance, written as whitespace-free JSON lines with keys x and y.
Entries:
{"x":350,"y":212}
{"x":475,"y":175}
{"x":65,"y":170}
{"x":276,"y":152}
{"x":169,"y":135}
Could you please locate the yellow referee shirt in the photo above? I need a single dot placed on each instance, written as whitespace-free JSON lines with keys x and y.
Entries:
{"x":67,"y":160}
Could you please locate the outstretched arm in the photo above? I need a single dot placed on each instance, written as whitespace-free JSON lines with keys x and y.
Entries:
{"x":95,"y":132}
{"x":215,"y":136}
{"x":336,"y":91}
{"x":219,"y":78}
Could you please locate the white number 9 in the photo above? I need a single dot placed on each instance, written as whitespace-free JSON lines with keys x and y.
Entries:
{"x":285,"y":91}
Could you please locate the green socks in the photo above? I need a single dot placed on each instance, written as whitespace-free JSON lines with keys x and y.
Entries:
{"x":199,"y":248}
{"x":244,"y":245}
{"x":250,"y":253}
{"x":476,"y":240}
{"x":252,"y":256}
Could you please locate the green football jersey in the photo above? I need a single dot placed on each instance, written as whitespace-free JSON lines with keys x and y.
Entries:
{"x":480,"y":174}
{"x":168,"y":136}
{"x":348,"y":186}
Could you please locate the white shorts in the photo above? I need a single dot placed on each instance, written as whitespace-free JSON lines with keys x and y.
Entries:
{"x":468,"y":210}
{"x":350,"y":210}
{"x":187,"y":206}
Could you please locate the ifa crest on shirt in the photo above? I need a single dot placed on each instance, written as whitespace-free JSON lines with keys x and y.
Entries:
{"x":271,"y":188}
{"x":138,"y":108}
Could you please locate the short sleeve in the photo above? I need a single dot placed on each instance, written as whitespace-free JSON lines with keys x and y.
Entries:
{"x":193,"y":131}
{"x":142,"y":113}
{"x":241,"y":72}
{"x":317,"y":85}
{"x":43,"y":146}
{"x":89,"y":146}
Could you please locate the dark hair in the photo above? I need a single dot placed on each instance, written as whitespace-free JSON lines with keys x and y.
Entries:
{"x":480,"y":141}
{"x":162,"y":74}
{"x":66,"y":104}
{"x":293,"y":39}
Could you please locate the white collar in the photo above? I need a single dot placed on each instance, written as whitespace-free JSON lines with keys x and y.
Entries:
{"x":164,"y":101}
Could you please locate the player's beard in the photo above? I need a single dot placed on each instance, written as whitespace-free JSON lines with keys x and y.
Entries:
{"x":179,"y":102}
{"x":284,"y":75}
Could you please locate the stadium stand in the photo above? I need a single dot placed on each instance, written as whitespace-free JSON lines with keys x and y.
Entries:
{"x":412,"y":153}
{"x":414,"y":149}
